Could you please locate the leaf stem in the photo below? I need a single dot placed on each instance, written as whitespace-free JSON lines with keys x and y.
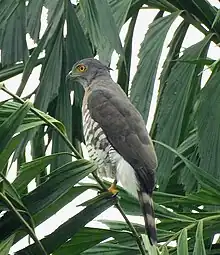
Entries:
{"x":209,"y":218}
{"x":178,"y":232}
{"x":36,"y":112}
{"x":29,"y":229}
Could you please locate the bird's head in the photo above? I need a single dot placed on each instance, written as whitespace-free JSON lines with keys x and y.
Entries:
{"x":86,"y":70}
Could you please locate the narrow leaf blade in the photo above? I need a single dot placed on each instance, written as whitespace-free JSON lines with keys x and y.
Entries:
{"x":9,"y":127}
{"x":182,"y":245}
{"x":70,"y":227}
{"x":199,"y":248}
{"x":149,"y":55}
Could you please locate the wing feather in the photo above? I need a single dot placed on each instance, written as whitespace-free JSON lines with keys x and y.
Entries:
{"x":125,"y":129}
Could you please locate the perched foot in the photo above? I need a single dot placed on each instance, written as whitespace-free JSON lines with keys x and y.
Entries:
{"x":113,"y":189}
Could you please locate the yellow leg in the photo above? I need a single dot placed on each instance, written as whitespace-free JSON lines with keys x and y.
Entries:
{"x":113,"y":189}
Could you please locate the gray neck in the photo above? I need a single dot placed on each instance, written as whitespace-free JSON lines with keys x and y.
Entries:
{"x":99,"y":76}
{"x":97,"y":79}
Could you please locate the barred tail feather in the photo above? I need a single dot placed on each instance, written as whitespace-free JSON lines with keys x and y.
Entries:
{"x":146,"y":203}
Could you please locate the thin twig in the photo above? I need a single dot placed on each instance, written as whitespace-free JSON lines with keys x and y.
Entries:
{"x":30,"y":95}
{"x":77,"y":155}
{"x":138,"y":238}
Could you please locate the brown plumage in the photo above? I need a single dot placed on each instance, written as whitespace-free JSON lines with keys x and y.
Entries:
{"x":116,"y":136}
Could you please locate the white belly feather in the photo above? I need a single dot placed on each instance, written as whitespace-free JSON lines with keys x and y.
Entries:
{"x":110,"y":163}
{"x":125,"y":174}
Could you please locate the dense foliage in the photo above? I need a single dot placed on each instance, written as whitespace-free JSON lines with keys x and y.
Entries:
{"x":186,"y":125}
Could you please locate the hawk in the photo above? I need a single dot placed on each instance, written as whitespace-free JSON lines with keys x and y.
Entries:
{"x":116,"y":136}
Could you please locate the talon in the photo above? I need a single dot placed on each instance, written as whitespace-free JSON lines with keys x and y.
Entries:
{"x":112,"y":189}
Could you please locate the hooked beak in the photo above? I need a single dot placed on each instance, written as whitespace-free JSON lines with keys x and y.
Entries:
{"x":71,"y":76}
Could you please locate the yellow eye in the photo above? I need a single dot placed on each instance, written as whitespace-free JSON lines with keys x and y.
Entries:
{"x":81,"y":68}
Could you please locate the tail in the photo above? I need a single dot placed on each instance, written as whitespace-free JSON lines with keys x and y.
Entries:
{"x":146,"y":203}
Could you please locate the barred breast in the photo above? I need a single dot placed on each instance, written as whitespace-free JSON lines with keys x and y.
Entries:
{"x":110,"y":163}
{"x":99,"y":149}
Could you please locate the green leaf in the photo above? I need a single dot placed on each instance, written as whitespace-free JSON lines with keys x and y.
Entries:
{"x":30,"y":120}
{"x":120,"y":10}
{"x":112,"y":249}
{"x":207,"y":117}
{"x":15,"y":207}
{"x":10,"y":192}
{"x":174,"y":51}
{"x":50,"y":31}
{"x":77,"y":47}
{"x":38,"y":149}
{"x":187,"y":144}
{"x":165,"y":251}
{"x":173,"y":54}
{"x":6,"y":153}
{"x":216,"y":20}
{"x":152,"y":249}
{"x":136,"y":5}
{"x":203,"y":197}
{"x":182,"y":245}
{"x":64,"y":114}
{"x":199,"y":248}
{"x":34,"y":10}
{"x":163,"y":5}
{"x":165,"y":198}
{"x":9,"y":127}
{"x":13,"y":48}
{"x":149,"y":55}
{"x":205,"y":179}
{"x":6,"y":245}
{"x":117,"y":225}
{"x":186,"y":177}
{"x":162,"y":234}
{"x":9,"y":72}
{"x":163,"y":212}
{"x":71,"y":226}
{"x":108,"y":26}
{"x":30,"y":170}
{"x":52,"y":7}
{"x":124,"y":239}
{"x":102,"y":28}
{"x":87,"y":238}
{"x":58,"y":203}
{"x":124,"y":63}
{"x":50,"y":209}
{"x":205,"y":61}
{"x":41,"y":118}
{"x":51,"y":71}
{"x":58,"y":184}
{"x":175,"y":104}
{"x":202,"y":9}
{"x":21,"y":215}
{"x":6,"y":10}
